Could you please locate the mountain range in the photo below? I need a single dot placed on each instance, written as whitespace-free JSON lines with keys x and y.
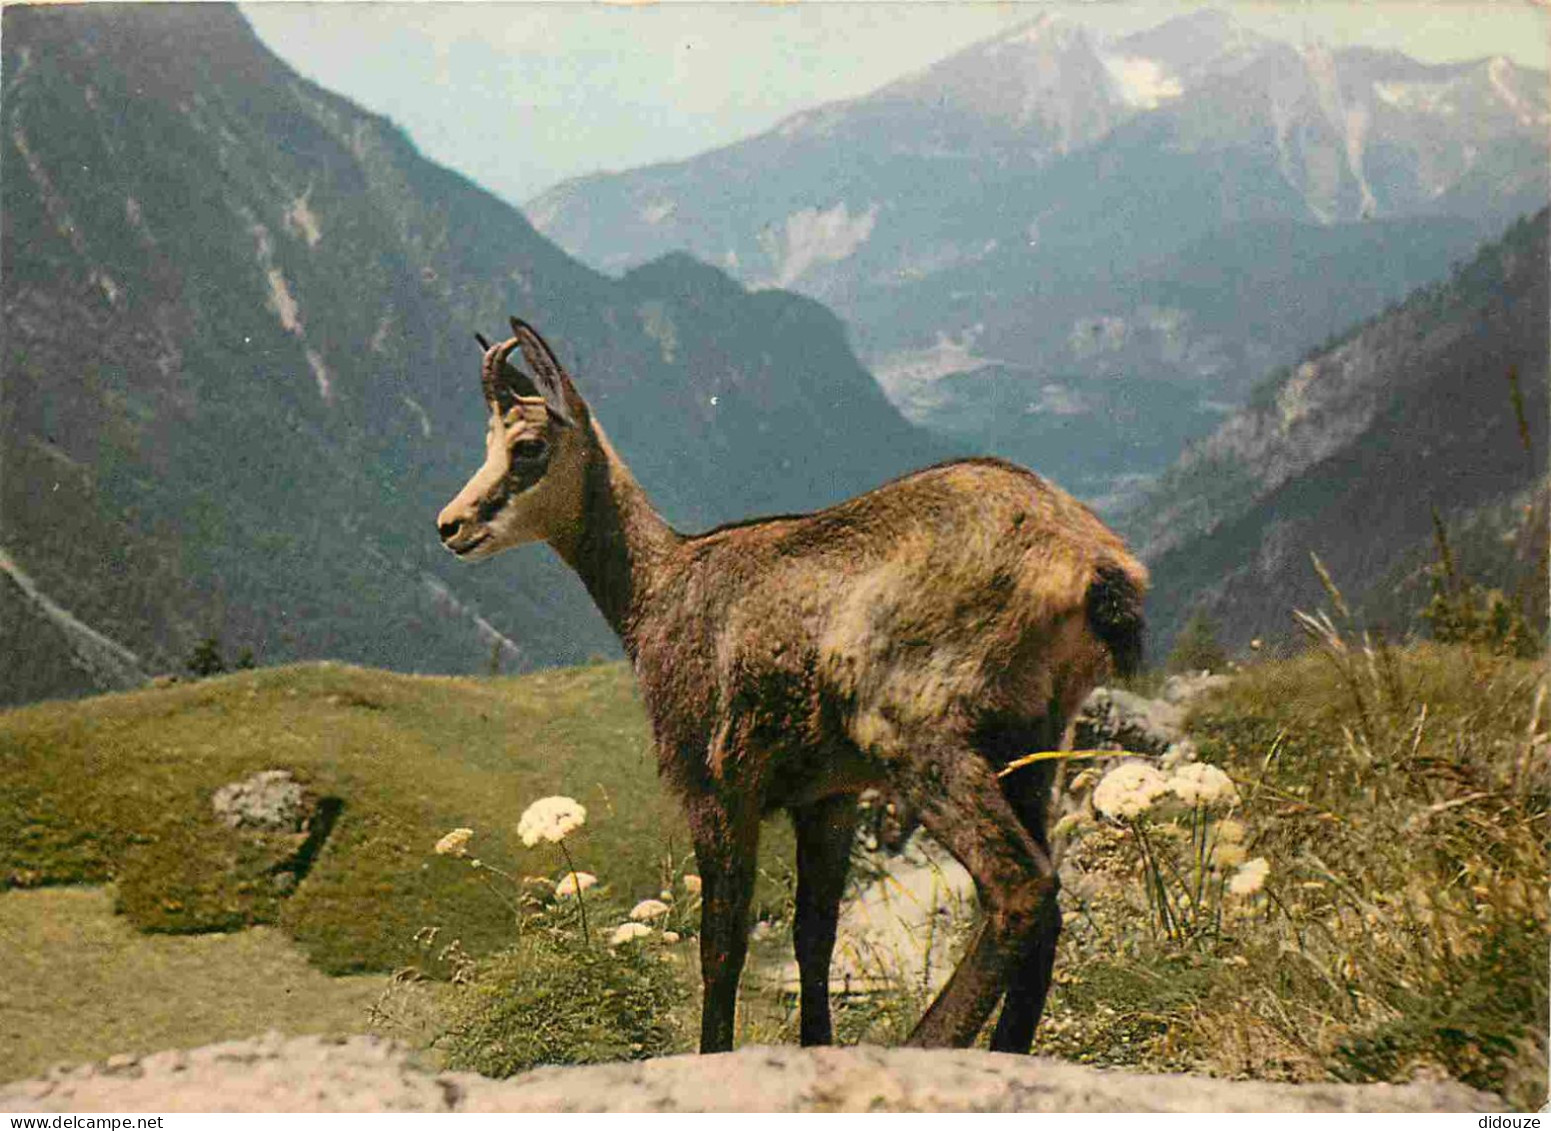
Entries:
{"x":240,"y":377}
{"x":1078,"y":252}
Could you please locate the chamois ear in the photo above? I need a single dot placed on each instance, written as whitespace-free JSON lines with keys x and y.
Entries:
{"x":549,"y":376}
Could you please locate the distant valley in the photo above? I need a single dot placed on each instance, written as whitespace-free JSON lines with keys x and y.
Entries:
{"x":1080,"y":253}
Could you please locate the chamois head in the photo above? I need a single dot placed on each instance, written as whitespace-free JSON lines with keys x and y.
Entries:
{"x":536,"y":445}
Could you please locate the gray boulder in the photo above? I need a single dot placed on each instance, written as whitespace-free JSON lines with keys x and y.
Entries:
{"x":1112,"y":719}
{"x":283,"y":821}
{"x":269,"y":801}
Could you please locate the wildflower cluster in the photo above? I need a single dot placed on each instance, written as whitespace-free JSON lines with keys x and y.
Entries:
{"x":1191,"y":852}
{"x":598,"y":1003}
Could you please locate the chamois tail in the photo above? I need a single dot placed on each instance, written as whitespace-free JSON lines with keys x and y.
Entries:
{"x":1114,"y":607}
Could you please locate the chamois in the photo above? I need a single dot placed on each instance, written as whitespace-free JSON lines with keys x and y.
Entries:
{"x":918,"y":637}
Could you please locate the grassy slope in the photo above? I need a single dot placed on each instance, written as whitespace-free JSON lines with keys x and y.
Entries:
{"x":118,"y":788}
{"x":1402,"y":807}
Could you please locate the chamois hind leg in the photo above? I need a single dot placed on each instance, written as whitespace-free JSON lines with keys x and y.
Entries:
{"x":955,"y":792}
{"x":824,"y":833}
{"x":726,"y":835}
{"x":1028,"y":791}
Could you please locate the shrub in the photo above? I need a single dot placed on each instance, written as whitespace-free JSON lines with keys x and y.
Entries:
{"x":552,"y":999}
{"x":205,"y":660}
{"x":558,"y":995}
{"x":1196,"y":647}
{"x":1461,"y":612}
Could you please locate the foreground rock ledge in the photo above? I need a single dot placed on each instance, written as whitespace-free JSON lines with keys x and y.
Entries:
{"x":368,"y":1074}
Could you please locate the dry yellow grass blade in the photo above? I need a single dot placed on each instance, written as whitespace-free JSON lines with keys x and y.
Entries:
{"x":1062,"y":756}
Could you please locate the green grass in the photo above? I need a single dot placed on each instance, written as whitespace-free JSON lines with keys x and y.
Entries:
{"x":1400,"y":796}
{"x":117,"y":788}
{"x":82,"y":984}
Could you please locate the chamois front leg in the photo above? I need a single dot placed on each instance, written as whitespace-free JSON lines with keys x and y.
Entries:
{"x":824,"y":830}
{"x":726,"y":848}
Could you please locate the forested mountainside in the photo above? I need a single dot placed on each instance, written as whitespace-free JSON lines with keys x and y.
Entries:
{"x":1439,"y":404}
{"x":240,"y":377}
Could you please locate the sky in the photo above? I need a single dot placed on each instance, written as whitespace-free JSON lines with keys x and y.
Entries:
{"x":521,"y":96}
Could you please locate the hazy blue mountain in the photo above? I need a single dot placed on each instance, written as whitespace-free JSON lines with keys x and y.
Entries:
{"x":1347,"y":453}
{"x":240,"y":378}
{"x":1064,"y":223}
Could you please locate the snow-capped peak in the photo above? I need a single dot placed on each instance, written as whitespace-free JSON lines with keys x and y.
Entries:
{"x":1141,"y":83}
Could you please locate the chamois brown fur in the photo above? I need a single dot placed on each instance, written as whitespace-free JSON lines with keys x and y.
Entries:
{"x":918,"y":637}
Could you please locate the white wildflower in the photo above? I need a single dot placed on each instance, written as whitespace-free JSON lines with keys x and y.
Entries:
{"x":1226,"y":854}
{"x":551,"y":819}
{"x":1230,"y":832}
{"x":1250,"y":877}
{"x":1200,"y":784}
{"x":665,"y":895}
{"x":628,"y":932}
{"x":1128,"y":790}
{"x":573,"y":882}
{"x":649,"y":909}
{"x":670,"y":936}
{"x":692,"y":884}
{"x":454,"y":843}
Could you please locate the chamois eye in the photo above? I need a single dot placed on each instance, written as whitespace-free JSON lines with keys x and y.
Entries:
{"x":530,"y":449}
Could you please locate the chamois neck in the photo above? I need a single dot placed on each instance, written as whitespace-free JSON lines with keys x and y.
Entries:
{"x":621,"y":546}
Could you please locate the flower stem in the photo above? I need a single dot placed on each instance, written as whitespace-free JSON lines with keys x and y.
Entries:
{"x":581,"y":904}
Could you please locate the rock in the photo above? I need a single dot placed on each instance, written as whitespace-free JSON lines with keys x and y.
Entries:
{"x":283,"y":823}
{"x":895,"y":930}
{"x":1186,"y":686}
{"x":270,"y":801}
{"x":1112,"y":719}
{"x":369,"y":1074}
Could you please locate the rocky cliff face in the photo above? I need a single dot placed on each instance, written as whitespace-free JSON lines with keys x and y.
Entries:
{"x":1440,"y":403}
{"x":240,"y":377}
{"x":1077,"y":253}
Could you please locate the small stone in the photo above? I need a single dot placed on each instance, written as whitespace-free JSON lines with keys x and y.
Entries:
{"x":122,"y":1064}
